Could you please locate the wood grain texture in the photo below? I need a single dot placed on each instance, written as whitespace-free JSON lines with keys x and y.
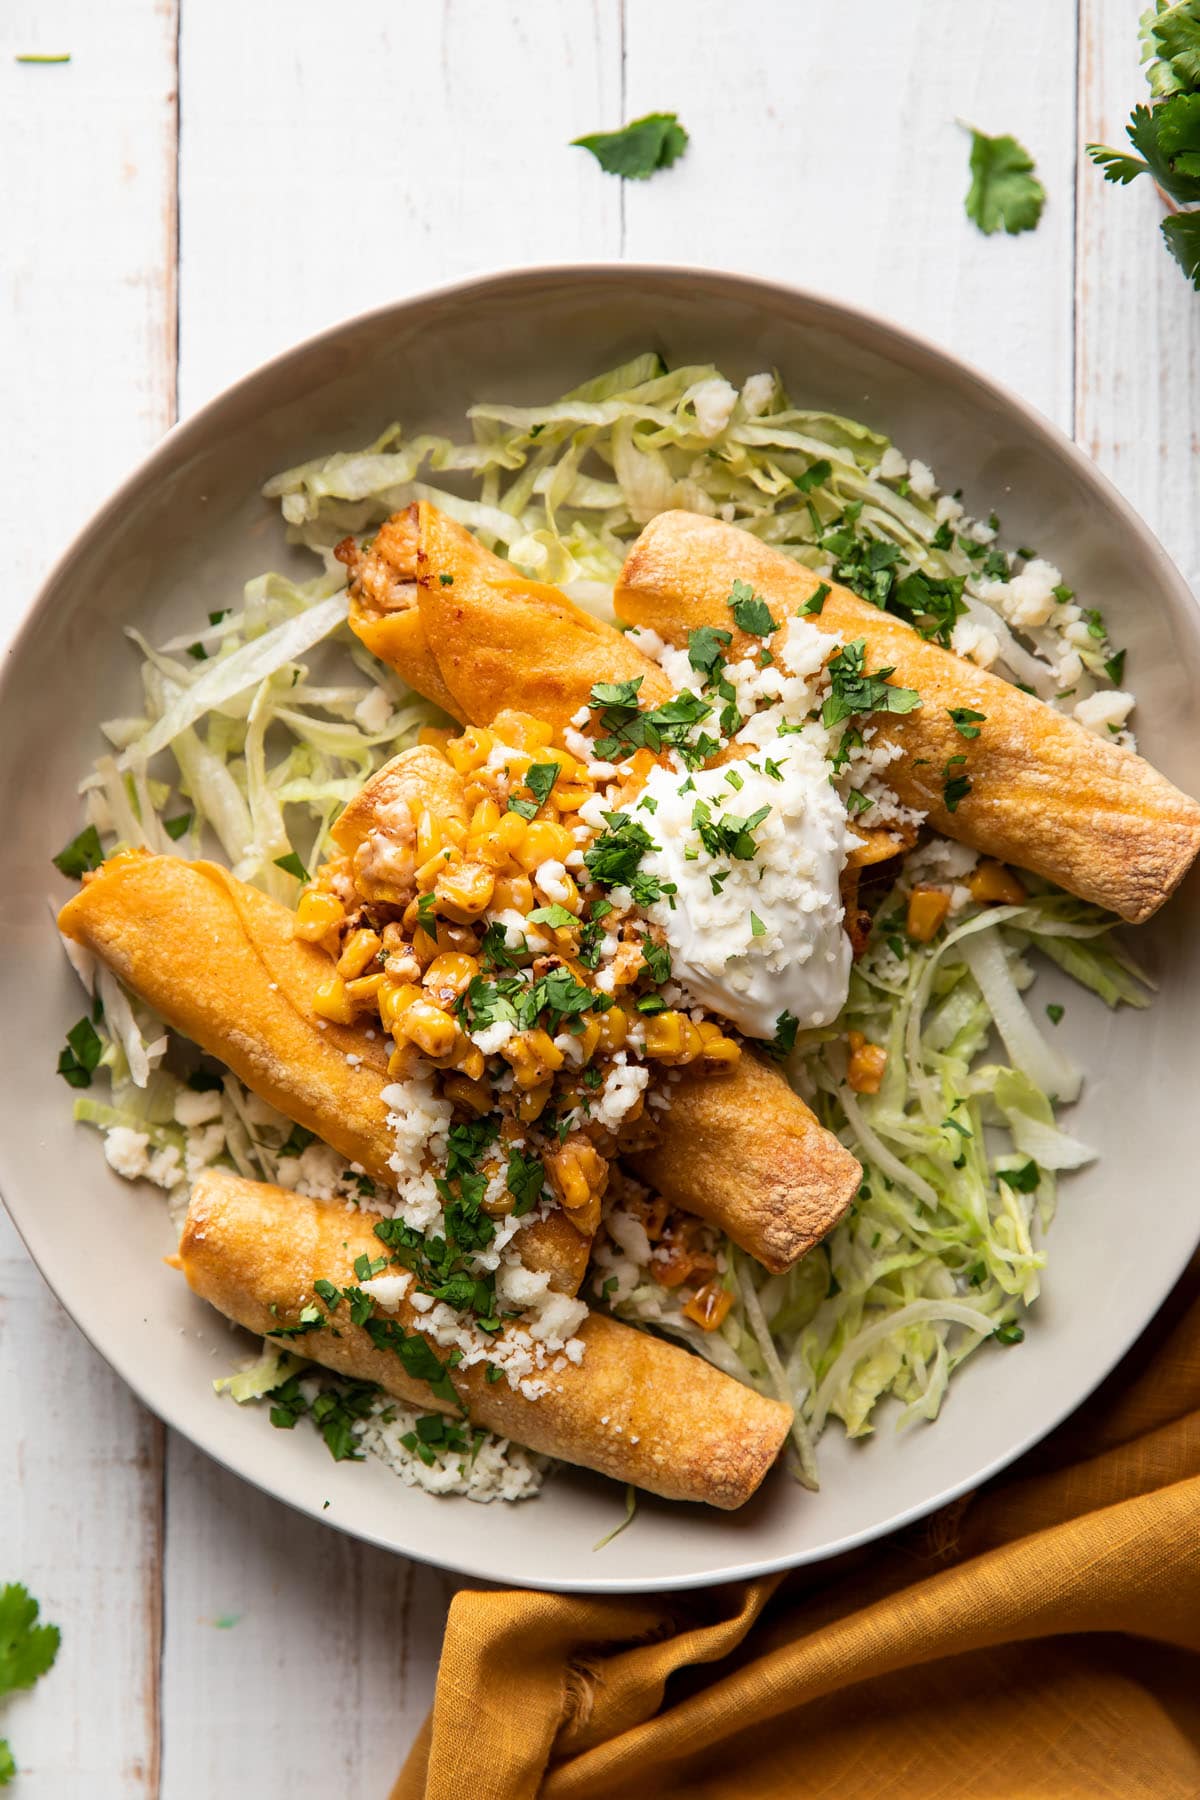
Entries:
{"x":1137,"y":386}
{"x":825,"y":152}
{"x":87,"y":368}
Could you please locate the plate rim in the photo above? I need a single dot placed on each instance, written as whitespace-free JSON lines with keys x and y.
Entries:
{"x":1177,"y":599}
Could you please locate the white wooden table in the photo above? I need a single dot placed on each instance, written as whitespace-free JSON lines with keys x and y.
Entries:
{"x":209,"y":180}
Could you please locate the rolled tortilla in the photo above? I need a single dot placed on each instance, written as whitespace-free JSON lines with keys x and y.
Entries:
{"x":633,"y":1407}
{"x":742,"y":1150}
{"x":736,"y":1145}
{"x":466,"y":630}
{"x":217,"y":960}
{"x":1045,"y":793}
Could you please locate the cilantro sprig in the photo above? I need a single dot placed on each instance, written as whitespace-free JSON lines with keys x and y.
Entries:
{"x":1166,"y":134}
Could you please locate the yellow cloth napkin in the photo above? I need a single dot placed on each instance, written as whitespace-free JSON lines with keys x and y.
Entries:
{"x":1039,"y":1638}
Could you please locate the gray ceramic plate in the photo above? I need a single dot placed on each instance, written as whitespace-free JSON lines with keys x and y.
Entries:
{"x":181,"y":536}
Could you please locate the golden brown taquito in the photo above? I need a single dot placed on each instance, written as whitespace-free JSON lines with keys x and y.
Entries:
{"x":217,"y":960}
{"x":742,"y":1150}
{"x":737,"y":1145}
{"x":462,"y":627}
{"x":1045,"y":792}
{"x":634,"y":1408}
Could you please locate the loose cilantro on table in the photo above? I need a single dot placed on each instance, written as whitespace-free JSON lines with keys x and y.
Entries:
{"x":27,"y":1651}
{"x":639,"y":149}
{"x":1005,"y":193}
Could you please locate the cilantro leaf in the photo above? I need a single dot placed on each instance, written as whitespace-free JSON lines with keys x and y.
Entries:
{"x":79,"y":1060}
{"x":1004,"y":192}
{"x":966,"y":722}
{"x":27,"y":1649}
{"x":852,"y":690}
{"x":612,"y":859}
{"x":1171,"y":46}
{"x":638,"y":149}
{"x":1114,"y":668}
{"x":750,"y":614}
{"x":525,"y":1179}
{"x":816,"y":604}
{"x":1168,"y":137}
{"x":176,"y":827}
{"x":1182,"y":234}
{"x":291,"y":865}
{"x":82,"y":853}
{"x":8,"y":1766}
{"x":930,"y":604}
{"x":705,"y":649}
{"x":556,"y":917}
{"x":815,"y":476}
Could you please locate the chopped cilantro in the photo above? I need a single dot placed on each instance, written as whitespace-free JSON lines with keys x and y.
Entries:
{"x":612,"y":858}
{"x":931,"y":605}
{"x":298,"y":1141}
{"x":757,"y":928}
{"x":854,"y":691}
{"x":966,"y":722}
{"x":750,"y":614}
{"x":1023,"y":1180}
{"x":857,"y":802}
{"x":1055,"y":1012}
{"x":81,"y":1057}
{"x":656,"y":959}
{"x":176,"y":827}
{"x":197,"y":652}
{"x":815,"y":476}
{"x":705,"y":649}
{"x":525,"y":1179}
{"x":82,"y":853}
{"x":955,"y":787}
{"x":556,"y":917}
{"x":784,"y":1041}
{"x":1114,"y":668}
{"x":446,"y":580}
{"x":1009,"y":1334}
{"x":816,"y":602}
{"x":291,"y":865}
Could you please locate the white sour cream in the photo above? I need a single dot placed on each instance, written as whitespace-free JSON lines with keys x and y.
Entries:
{"x":792,"y":955}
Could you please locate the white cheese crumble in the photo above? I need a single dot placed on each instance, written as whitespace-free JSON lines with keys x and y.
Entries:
{"x":714,"y":402}
{"x":758,"y":391}
{"x":771,"y":941}
{"x":624,"y":1085}
{"x":373,"y":713}
{"x":494,"y":1470}
{"x":1101,"y":711}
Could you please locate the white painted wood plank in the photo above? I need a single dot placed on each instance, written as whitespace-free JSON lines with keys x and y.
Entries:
{"x":372,"y":153}
{"x":825,"y":152}
{"x":364,"y":152}
{"x":87,"y":324}
{"x":1138,"y":363}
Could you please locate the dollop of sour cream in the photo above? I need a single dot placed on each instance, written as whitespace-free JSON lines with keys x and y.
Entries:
{"x":771,"y":939}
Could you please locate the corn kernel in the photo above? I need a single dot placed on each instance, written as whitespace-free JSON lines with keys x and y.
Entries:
{"x":865,"y":1069}
{"x":715,"y":1046}
{"x":533,"y":1055}
{"x":316,"y":914}
{"x":403,"y":1062}
{"x":469,"y":1093}
{"x":927,"y":911}
{"x":469,"y":1059}
{"x":569,"y":796}
{"x":709,"y":1305}
{"x":511,"y":830}
{"x":544,"y":842}
{"x":522,"y":729}
{"x":395,"y":1000}
{"x":992,"y":881}
{"x":514,"y":893}
{"x":363,"y":990}
{"x":429,"y":1028}
{"x":449,"y":975}
{"x":577,"y":1173}
{"x":485,"y":817}
{"x":672,"y":1038}
{"x":331,"y":1001}
{"x":614,"y":1030}
{"x":532,"y":1102}
{"x":436,"y":736}
{"x":471,"y":750}
{"x":464,"y":891}
{"x":358,"y":949}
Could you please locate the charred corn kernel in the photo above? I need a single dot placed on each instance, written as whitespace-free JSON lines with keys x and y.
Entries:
{"x":471,"y":750}
{"x":331,"y":1001}
{"x":451,"y":973}
{"x":544,"y":842}
{"x":358,"y":949}
{"x":395,"y":998}
{"x":464,"y":891}
{"x":402,"y":967}
{"x":512,"y":830}
{"x":577,"y":1173}
{"x":709,"y":1305}
{"x":992,"y":881}
{"x":469,"y":1059}
{"x":429,"y":1028}
{"x":470,"y":1093}
{"x":532,"y":1102}
{"x":614,"y":1029}
{"x":864,"y":1071}
{"x":317,"y":913}
{"x":365,"y":988}
{"x":521,"y":729}
{"x":492,"y":850}
{"x":514,"y":893}
{"x":436,"y":736}
{"x":927,"y":910}
{"x":533,"y":1056}
{"x":715,"y":1046}
{"x":424,"y":946}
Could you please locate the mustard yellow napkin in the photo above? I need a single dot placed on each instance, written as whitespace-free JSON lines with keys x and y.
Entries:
{"x":1039,"y":1638}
